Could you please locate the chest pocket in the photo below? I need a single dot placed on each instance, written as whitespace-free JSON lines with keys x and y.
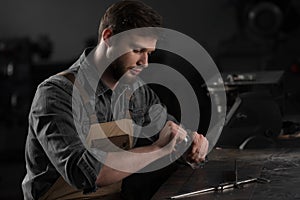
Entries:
{"x":139,"y":116}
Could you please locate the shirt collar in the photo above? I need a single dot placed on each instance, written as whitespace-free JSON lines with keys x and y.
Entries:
{"x":91,"y":74}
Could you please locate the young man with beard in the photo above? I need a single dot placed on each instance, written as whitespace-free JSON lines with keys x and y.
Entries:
{"x":64,"y":128}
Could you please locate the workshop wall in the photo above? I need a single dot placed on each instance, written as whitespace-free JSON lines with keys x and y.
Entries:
{"x":68,"y":24}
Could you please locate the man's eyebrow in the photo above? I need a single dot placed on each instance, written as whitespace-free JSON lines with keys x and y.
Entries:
{"x":135,"y":45}
{"x":140,"y":46}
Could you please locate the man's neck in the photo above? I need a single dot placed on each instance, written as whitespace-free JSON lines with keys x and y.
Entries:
{"x":100,"y":61}
{"x":110,"y":82}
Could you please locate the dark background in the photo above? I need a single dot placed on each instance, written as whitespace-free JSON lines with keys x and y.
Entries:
{"x":41,"y":38}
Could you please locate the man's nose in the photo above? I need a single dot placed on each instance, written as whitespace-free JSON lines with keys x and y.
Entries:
{"x":143,"y":60}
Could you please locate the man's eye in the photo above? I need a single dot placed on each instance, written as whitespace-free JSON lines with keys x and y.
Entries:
{"x":136,"y":50}
{"x":142,"y":51}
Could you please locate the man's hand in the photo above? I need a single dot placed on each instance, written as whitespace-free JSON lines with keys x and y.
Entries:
{"x":199,"y":148}
{"x":170,"y":135}
{"x":119,"y":165}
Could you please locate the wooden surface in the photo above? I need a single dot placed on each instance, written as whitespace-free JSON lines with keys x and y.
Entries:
{"x":281,"y":166}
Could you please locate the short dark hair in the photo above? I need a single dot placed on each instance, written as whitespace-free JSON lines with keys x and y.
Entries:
{"x":129,"y":14}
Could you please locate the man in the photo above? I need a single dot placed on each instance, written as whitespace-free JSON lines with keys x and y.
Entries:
{"x":62,"y":165}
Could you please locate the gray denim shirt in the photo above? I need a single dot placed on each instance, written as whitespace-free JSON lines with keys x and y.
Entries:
{"x":53,"y":146}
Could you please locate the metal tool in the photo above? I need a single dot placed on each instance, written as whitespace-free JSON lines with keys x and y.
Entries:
{"x":223,"y":186}
{"x":235,"y":172}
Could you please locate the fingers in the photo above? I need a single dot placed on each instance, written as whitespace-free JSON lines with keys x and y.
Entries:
{"x":168,"y":132}
{"x":169,"y":137}
{"x":176,"y":130}
{"x":172,"y":134}
{"x":199,"y":148}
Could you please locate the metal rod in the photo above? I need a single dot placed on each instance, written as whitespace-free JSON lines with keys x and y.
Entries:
{"x":193,"y":193}
{"x":222,"y":186}
{"x":235,"y":171}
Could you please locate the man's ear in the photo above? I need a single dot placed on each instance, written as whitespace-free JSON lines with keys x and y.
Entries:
{"x":106,"y":34}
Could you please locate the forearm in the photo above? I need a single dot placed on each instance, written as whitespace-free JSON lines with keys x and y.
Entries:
{"x":119,"y":165}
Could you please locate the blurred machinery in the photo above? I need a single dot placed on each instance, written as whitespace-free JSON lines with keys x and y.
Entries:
{"x":266,"y":36}
{"x":266,"y":40}
{"x":267,"y":19}
{"x":255,"y":103}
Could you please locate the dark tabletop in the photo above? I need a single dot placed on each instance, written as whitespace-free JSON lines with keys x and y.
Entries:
{"x":280,"y":166}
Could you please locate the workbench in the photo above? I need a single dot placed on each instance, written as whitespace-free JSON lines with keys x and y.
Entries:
{"x":281,"y":166}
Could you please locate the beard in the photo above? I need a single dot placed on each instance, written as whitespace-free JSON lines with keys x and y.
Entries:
{"x":121,"y":73}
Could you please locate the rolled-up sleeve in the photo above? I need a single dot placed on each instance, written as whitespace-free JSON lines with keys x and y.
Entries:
{"x":52,"y":120}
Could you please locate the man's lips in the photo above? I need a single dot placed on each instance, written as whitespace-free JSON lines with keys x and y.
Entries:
{"x":135,"y":71}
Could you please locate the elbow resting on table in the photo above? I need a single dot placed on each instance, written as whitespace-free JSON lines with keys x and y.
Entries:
{"x":108,"y":176}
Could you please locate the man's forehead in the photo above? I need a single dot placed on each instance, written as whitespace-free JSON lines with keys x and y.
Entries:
{"x":140,"y":40}
{"x":144,"y":41}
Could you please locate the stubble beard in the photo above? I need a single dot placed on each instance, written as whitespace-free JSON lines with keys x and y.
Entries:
{"x":121,"y":73}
